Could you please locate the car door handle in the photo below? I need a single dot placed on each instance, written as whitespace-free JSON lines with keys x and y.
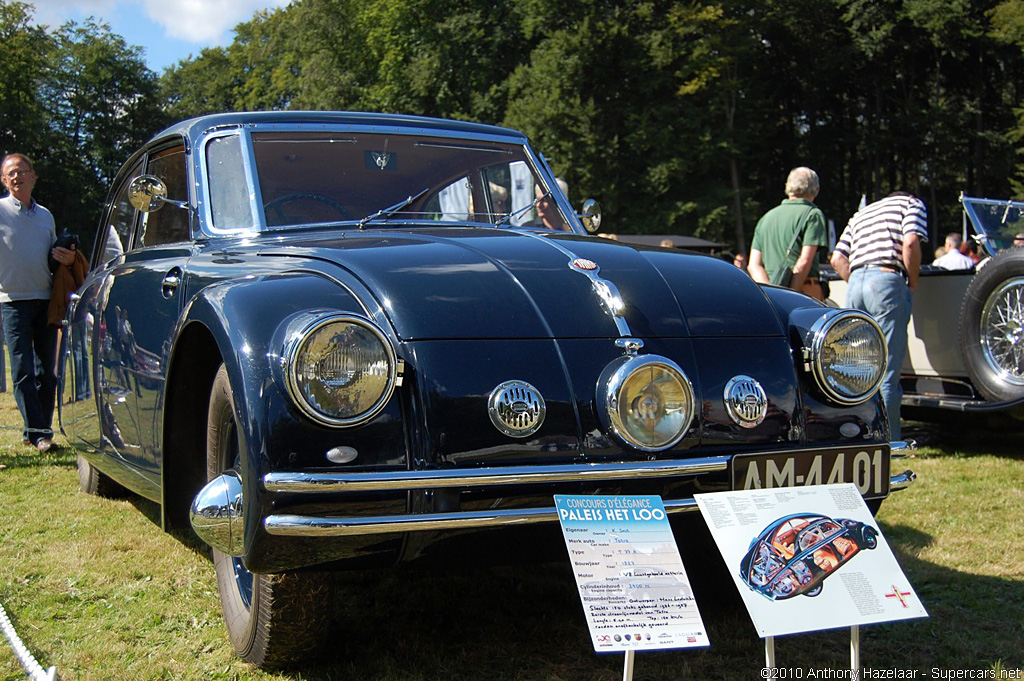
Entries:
{"x":171,"y":282}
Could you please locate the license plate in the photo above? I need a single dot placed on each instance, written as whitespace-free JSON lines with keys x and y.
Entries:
{"x":866,"y":467}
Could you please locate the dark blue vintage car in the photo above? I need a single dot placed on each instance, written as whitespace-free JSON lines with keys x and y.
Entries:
{"x":331,"y":340}
{"x":794,"y":554}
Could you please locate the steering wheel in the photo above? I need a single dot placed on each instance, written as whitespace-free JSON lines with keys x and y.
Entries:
{"x":276,"y":206}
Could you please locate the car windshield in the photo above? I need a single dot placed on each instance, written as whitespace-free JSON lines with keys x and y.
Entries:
{"x":995,"y":221}
{"x":359,"y":180}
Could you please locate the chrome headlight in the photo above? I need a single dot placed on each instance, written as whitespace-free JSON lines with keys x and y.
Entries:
{"x":847,"y":355}
{"x":340,"y":370}
{"x":647,"y":401}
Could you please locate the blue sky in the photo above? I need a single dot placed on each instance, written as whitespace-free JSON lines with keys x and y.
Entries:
{"x":168,"y":30}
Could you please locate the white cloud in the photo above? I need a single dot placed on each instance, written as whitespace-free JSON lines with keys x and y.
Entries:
{"x":203,"y":21}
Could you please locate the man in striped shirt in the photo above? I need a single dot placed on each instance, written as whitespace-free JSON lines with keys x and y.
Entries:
{"x":879,"y":254}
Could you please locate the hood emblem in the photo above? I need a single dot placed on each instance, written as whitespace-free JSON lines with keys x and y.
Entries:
{"x":516,"y":408}
{"x":584,"y":264}
{"x":746,"y":401}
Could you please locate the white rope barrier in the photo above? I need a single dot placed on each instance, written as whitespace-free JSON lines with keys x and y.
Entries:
{"x":32,"y":668}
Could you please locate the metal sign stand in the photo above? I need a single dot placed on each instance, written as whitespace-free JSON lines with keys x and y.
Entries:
{"x":627,"y":667}
{"x":769,"y":650}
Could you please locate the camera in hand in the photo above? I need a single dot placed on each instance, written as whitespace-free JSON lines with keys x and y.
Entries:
{"x":67,"y":239}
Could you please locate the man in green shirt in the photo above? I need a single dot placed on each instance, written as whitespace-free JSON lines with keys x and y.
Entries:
{"x":789,"y":235}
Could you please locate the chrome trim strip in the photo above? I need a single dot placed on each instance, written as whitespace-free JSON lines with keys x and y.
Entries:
{"x":901,"y":481}
{"x":900,"y":448}
{"x":607,"y":292}
{"x":512,"y":475}
{"x":310,"y":526}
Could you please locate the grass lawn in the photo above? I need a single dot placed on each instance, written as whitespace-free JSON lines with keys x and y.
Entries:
{"x":96,"y":589}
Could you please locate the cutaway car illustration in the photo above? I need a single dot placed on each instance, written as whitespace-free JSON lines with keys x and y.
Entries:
{"x":328,"y":341}
{"x":794,"y":555}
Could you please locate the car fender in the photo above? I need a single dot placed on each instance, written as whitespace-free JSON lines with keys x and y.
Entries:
{"x":235,"y":322}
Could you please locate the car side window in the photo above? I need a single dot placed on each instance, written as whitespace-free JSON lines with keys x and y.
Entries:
{"x":120,"y":221}
{"x":169,"y":224}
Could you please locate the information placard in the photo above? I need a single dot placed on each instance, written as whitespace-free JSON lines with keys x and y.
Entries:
{"x":808,"y":558}
{"x":631,"y":579}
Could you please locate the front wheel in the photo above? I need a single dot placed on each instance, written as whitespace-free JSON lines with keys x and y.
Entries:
{"x":274,"y":621}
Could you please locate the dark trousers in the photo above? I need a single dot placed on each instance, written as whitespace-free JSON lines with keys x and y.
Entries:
{"x":33,"y":347}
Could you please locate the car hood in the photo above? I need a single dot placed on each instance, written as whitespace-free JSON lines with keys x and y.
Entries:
{"x":474,"y":283}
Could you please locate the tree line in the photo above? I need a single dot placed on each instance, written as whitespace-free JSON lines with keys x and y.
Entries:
{"x":680,"y":116}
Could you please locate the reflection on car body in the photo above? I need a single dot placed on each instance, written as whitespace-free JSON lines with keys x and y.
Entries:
{"x":794,"y":554}
{"x":329,"y":341}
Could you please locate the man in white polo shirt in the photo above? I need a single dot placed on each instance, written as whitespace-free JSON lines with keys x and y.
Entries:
{"x":27,"y":237}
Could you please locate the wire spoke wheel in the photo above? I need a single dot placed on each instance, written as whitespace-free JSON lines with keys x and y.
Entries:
{"x":1002,"y":330}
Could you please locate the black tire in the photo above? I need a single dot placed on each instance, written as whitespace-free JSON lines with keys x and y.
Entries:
{"x":274,"y":621}
{"x":811,"y":593}
{"x":91,"y":481}
{"x":870,"y":537}
{"x":992,"y":327}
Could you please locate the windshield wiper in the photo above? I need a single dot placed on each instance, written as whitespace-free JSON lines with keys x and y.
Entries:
{"x":507,"y":217}
{"x":391,"y":210}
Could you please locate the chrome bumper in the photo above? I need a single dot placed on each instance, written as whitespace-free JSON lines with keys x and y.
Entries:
{"x":898,"y":450}
{"x":290,"y":525}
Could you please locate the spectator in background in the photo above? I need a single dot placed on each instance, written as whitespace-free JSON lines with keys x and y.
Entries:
{"x":27,"y":238}
{"x":787,"y":238}
{"x":879,"y":254}
{"x":740,"y":260}
{"x":1018,"y":240}
{"x":970,"y":249}
{"x":953,"y":259}
{"x":547,"y":211}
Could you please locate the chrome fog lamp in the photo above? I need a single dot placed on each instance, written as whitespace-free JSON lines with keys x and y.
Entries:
{"x":647,"y":400}
{"x":340,"y":369}
{"x":847,"y":355}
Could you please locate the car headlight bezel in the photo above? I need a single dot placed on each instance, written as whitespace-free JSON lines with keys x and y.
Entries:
{"x":821,"y":368}
{"x":614,"y":403}
{"x":303,"y":333}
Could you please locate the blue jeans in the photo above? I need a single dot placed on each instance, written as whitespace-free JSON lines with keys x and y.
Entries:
{"x":886,"y":297}
{"x":33,"y":347}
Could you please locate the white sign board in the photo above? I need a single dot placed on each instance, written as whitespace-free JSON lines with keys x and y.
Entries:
{"x":632,"y":583}
{"x":808,"y":558}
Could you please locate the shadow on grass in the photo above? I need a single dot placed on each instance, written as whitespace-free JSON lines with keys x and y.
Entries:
{"x":526,"y":622}
{"x":966,"y":435}
{"x":185,"y":536}
{"x":27,"y":457}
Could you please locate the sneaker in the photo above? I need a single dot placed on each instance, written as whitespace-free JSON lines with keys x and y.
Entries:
{"x":44,"y":444}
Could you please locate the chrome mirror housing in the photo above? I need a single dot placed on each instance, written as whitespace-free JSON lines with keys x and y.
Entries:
{"x":590,"y":216}
{"x":148,"y":193}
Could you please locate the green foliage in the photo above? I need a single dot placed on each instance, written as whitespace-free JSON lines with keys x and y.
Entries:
{"x":681,"y":116}
{"x":78,"y":100}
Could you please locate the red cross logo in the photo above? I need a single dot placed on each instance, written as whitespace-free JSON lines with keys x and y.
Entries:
{"x":896,"y":593}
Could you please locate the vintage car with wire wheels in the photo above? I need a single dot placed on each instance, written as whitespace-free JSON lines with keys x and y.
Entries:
{"x":966,"y":338}
{"x":328,"y":341}
{"x":793,"y":555}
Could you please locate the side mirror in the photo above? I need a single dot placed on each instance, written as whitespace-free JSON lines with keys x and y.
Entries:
{"x":148,"y":193}
{"x":590,"y":216}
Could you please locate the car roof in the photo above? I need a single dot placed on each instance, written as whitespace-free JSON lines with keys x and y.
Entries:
{"x":194,"y":127}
